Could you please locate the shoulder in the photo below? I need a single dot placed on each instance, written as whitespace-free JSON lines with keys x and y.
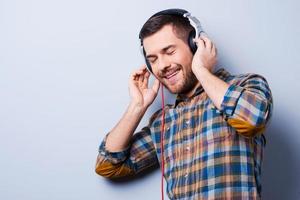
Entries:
{"x":246,"y":78}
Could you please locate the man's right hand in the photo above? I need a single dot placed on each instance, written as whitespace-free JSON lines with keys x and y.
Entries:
{"x":141,"y":95}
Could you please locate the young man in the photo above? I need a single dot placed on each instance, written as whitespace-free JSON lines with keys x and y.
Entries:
{"x":213,"y":142}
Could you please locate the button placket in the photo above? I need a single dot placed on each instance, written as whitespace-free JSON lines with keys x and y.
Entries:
{"x":186,"y":175}
{"x":187,"y":148}
{"x":187,"y":122}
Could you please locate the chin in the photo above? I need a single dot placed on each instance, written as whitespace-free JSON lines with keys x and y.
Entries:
{"x":175,"y":89}
{"x":183,"y":87}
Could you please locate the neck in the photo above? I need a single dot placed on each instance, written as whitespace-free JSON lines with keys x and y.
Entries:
{"x":192,"y":91}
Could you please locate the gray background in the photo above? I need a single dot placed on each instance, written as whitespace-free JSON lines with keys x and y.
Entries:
{"x":64,"y":68}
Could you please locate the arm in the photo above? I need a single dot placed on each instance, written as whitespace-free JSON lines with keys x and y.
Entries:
{"x":203,"y":64}
{"x":141,"y":98}
{"x":246,"y":106}
{"x":139,"y":155}
{"x":213,"y":86}
{"x":119,"y":136}
{"x":115,"y":148}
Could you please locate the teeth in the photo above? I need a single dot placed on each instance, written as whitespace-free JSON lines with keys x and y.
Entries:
{"x":170,"y":75}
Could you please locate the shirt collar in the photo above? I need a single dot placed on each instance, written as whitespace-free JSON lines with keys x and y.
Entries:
{"x":221,"y":73}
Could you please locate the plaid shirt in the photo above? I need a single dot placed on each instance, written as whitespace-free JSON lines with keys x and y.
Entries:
{"x":209,"y":153}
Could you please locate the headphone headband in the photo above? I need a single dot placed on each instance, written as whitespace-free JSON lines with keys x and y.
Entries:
{"x":195,"y":23}
{"x":172,"y":11}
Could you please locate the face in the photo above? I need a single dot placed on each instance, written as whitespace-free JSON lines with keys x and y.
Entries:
{"x":171,"y":60}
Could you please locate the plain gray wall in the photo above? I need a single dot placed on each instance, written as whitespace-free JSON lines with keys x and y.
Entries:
{"x":64,"y":68}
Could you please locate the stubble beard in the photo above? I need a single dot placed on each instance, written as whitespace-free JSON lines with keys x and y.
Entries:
{"x":185,"y":86}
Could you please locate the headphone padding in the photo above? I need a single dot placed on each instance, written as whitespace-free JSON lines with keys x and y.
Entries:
{"x":191,"y":43}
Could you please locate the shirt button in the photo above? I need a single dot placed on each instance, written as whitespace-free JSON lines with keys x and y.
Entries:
{"x":168,"y":128}
{"x":186,"y":123}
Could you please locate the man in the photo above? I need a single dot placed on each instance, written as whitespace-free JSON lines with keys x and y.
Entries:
{"x":213,"y":134}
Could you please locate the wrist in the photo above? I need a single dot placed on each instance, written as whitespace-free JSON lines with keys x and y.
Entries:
{"x":200,"y":72}
{"x":137,"y":108}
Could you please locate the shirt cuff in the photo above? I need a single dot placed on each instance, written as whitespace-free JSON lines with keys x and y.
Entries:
{"x":113,"y":157}
{"x":230,"y":99}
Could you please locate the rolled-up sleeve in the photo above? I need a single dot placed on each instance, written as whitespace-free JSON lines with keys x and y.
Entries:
{"x":247,"y":105}
{"x":139,"y":155}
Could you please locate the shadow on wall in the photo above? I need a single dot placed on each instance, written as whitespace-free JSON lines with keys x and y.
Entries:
{"x":280,"y":175}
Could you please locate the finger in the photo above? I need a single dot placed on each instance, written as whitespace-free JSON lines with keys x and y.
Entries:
{"x":204,"y":36}
{"x":133,"y":80}
{"x":214,"y":50}
{"x":146,"y":80}
{"x":207,"y":41}
{"x":155,"y":86}
{"x":200,"y":43}
{"x":140,"y":80}
{"x":136,"y":73}
{"x":143,"y":67}
{"x":135,"y":76}
{"x":140,"y":71}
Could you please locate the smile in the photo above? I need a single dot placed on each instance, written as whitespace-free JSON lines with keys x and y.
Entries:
{"x":171,"y":73}
{"x":171,"y":76}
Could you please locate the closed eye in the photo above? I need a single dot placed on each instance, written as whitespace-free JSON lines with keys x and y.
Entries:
{"x":171,"y":52}
{"x":152,"y":60}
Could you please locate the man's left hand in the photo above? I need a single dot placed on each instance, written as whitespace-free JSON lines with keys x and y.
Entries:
{"x":206,"y":54}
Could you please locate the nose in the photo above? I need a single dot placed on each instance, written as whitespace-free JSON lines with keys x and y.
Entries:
{"x":163,"y":63}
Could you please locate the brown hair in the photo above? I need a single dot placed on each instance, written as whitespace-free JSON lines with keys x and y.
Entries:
{"x":181,"y":26}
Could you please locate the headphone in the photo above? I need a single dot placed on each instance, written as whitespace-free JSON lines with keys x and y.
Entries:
{"x":194,"y":34}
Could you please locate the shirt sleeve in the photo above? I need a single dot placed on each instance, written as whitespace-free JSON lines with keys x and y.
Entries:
{"x":138,"y":156}
{"x":247,"y":105}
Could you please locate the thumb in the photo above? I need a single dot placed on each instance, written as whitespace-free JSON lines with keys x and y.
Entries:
{"x":155,"y":86}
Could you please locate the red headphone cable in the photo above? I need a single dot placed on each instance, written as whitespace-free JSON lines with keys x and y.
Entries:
{"x":162,"y":141}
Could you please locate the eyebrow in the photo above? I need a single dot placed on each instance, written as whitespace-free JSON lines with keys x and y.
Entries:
{"x":163,"y":50}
